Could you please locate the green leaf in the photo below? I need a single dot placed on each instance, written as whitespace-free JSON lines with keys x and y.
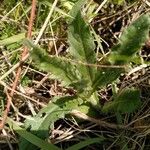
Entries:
{"x":73,"y":102}
{"x":13,"y":39}
{"x":58,"y":108}
{"x":132,"y":39}
{"x":40,"y":124}
{"x":60,"y":68}
{"x":77,"y":7}
{"x":119,"y":2}
{"x":106,"y":76}
{"x":127,"y":101}
{"x":31,"y":138}
{"x":85,"y":143}
{"x":81,"y":42}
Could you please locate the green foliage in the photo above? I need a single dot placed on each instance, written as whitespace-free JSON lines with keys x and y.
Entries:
{"x":87,"y":142}
{"x":84,"y":78}
{"x":117,"y":1}
{"x":74,"y":102}
{"x":81,"y":43}
{"x":40,"y":124}
{"x":9,"y":3}
{"x":61,"y":69}
{"x":13,"y":39}
{"x":106,"y":76}
{"x":131,"y":40}
{"x":44,"y":120}
{"x":31,"y":137}
{"x":126,"y":101}
{"x":25,"y":81}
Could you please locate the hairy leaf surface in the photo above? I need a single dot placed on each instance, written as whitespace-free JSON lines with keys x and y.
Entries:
{"x":131,"y":40}
{"x":60,"y":68}
{"x":125,"y":102}
{"x":41,"y":123}
{"x":81,"y":42}
{"x":106,"y":76}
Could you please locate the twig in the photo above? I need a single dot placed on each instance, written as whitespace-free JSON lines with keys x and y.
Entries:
{"x":25,"y":52}
{"x":105,"y":124}
{"x":14,"y":67}
{"x":97,"y":121}
{"x":21,"y":94}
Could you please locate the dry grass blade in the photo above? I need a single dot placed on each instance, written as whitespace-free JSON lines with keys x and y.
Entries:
{"x":25,"y":52}
{"x":62,"y":114}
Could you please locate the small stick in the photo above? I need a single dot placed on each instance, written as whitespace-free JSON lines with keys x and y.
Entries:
{"x":24,"y":53}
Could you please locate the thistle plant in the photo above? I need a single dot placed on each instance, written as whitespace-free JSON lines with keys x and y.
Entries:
{"x":85,"y":75}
